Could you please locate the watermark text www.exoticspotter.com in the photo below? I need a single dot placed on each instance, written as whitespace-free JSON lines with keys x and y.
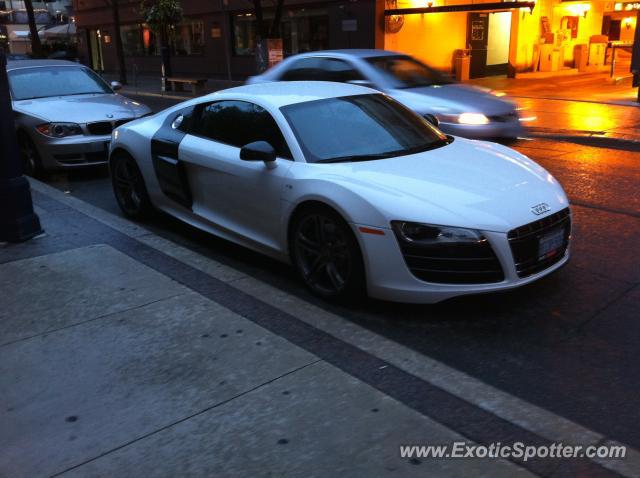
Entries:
{"x":517,"y":450}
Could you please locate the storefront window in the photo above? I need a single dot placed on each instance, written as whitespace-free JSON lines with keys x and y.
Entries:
{"x":302,"y":30}
{"x":187,"y":39}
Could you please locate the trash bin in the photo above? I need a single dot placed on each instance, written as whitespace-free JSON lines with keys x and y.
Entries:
{"x":462,"y":63}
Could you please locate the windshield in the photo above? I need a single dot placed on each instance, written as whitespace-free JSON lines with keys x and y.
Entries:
{"x":359,"y":128}
{"x":406,"y":72}
{"x":42,"y":82}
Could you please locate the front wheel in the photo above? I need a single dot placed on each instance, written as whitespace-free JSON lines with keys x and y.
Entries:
{"x":327,"y":256}
{"x":31,"y":162}
{"x":129,"y":188}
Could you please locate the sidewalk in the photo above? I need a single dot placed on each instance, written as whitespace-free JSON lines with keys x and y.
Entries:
{"x":595,"y":88}
{"x":117,"y":360}
{"x":123,"y":354}
{"x":146,"y":85}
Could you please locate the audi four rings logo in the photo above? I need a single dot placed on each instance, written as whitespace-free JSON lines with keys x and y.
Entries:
{"x":540,"y":208}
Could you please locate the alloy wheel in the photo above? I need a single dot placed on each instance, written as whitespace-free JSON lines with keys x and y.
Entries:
{"x":323,"y":254}
{"x":128,"y":185}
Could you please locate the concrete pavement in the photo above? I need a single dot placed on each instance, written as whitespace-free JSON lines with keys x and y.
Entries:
{"x":124,"y":354}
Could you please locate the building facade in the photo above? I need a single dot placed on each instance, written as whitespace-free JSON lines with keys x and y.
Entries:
{"x":14,"y":24}
{"x":216,"y":39}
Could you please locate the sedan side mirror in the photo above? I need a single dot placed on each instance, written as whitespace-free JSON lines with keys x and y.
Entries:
{"x":258,"y":151}
{"x":432,"y":119}
{"x":116,"y":85}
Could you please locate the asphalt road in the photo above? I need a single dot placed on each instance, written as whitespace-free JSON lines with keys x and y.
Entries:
{"x":567,"y":343}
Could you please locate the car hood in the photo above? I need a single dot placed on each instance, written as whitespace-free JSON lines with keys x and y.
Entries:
{"x":467,"y":184}
{"x":82,"y":108}
{"x":452,"y":98}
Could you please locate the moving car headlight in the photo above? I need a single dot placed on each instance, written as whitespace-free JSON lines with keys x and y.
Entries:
{"x":473,"y":118}
{"x":59,"y":130}
{"x":428,"y":234}
{"x":464,"y":118}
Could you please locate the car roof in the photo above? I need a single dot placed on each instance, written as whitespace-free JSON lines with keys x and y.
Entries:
{"x":354,"y":52}
{"x":282,"y":93}
{"x":18,"y":64}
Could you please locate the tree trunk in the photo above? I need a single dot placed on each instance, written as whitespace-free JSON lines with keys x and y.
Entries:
{"x":274,"y":31}
{"x":36,"y":46}
{"x":122,"y":70}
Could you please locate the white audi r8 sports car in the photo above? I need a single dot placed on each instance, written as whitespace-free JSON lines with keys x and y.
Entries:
{"x":355,"y":190}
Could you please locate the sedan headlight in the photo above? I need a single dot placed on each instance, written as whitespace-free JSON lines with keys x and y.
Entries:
{"x":59,"y":130}
{"x":429,"y":234}
{"x":465,"y":118}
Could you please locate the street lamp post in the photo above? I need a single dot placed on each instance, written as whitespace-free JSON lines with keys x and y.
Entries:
{"x":18,"y":222}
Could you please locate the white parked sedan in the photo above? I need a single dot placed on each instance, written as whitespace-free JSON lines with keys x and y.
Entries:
{"x":353,"y":188}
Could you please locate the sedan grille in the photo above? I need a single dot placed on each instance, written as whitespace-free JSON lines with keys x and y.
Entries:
{"x":453,"y":263}
{"x":525,"y":243}
{"x":102,"y":128}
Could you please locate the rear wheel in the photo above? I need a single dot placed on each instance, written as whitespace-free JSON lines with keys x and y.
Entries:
{"x":30,"y":158}
{"x":326,"y":254}
{"x":129,"y":188}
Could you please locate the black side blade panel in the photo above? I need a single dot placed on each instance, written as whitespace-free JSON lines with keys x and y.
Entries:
{"x":170,"y":171}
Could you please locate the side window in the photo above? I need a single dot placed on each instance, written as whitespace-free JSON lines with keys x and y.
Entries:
{"x":340,"y":71}
{"x":237,"y":123}
{"x":305,"y":69}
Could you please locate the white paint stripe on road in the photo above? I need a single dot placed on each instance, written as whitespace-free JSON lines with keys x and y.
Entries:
{"x":502,"y":404}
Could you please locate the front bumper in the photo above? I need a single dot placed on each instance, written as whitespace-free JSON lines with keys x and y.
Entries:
{"x":494,"y":129}
{"x":73,"y":151}
{"x":389,"y":278}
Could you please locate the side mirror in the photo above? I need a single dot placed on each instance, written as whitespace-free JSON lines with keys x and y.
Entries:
{"x":432,"y":119}
{"x":116,"y":85}
{"x":258,"y":151}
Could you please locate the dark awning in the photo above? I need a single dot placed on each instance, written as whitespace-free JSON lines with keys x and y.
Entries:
{"x":469,"y":7}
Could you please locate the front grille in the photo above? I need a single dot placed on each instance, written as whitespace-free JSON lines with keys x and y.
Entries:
{"x":453,"y":263}
{"x":105,"y":127}
{"x":524,"y":242}
{"x":505,"y":118}
{"x":100,"y":127}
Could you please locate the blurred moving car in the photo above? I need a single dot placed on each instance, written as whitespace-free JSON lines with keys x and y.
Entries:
{"x":353,"y":188}
{"x":64,"y":113}
{"x":461,"y":110}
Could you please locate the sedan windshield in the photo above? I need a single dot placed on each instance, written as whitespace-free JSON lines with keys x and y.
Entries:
{"x":406,"y":72}
{"x":359,"y":128}
{"x":43,"y":82}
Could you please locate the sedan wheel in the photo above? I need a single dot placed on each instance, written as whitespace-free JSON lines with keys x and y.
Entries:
{"x":129,"y":188}
{"x":327,"y":255}
{"x":31,"y":164}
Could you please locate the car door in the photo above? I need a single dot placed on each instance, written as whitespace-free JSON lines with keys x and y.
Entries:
{"x":243,"y":197}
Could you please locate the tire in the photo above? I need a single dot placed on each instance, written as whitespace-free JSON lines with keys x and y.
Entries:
{"x":326,"y":255}
{"x":29,"y":156}
{"x":129,"y":188}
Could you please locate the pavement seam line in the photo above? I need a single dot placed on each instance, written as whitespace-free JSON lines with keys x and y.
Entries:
{"x":490,"y":395}
{"x":104,"y":316}
{"x":184,"y":419}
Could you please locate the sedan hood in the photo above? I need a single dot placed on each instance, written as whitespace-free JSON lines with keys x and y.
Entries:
{"x":468,"y":184}
{"x":455,"y":98}
{"x":81,"y":108}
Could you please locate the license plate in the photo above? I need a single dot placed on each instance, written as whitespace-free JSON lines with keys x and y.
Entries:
{"x":550,"y":244}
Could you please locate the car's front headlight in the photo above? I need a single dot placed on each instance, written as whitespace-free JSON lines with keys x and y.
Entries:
{"x":465,"y":118}
{"x":59,"y":130}
{"x":429,"y":234}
